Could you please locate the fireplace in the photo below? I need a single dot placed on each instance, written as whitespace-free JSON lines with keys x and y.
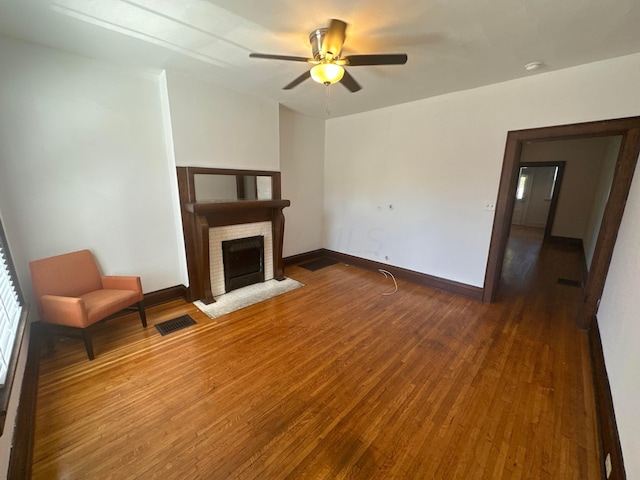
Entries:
{"x":243,"y":260}
{"x":217,"y":235}
{"x":205,"y":223}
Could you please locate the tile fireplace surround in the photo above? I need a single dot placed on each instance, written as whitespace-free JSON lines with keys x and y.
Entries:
{"x":217,"y":235}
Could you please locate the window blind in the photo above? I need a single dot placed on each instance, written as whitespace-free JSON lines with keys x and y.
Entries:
{"x":10,"y":308}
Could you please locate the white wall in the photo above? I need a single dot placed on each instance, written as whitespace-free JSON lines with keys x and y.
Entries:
{"x":84,"y":164}
{"x":173,"y":178}
{"x":219,"y":128}
{"x":437,"y":161}
{"x":620,"y":330}
{"x":583,"y":157}
{"x":605,"y":179}
{"x":302,"y":163}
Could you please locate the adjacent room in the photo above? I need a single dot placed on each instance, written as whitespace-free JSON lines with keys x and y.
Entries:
{"x":360,"y":239}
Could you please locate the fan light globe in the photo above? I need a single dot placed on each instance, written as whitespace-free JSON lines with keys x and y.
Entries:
{"x":327,"y":73}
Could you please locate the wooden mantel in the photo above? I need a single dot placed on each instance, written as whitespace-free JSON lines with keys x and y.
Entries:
{"x":220,"y":208}
{"x":218,"y":214}
{"x":199,"y":217}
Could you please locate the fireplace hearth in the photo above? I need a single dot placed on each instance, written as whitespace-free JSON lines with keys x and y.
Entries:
{"x":243,"y":260}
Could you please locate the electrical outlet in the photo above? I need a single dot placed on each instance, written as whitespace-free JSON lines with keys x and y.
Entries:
{"x":607,"y":465}
{"x":489,"y":206}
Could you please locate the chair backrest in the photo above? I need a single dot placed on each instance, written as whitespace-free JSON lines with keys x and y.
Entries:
{"x":70,"y":275}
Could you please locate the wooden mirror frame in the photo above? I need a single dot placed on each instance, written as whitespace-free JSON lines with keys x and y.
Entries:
{"x":199,"y":217}
{"x":191,"y":171}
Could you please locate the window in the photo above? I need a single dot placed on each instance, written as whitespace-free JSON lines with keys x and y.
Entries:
{"x":11,"y":304}
{"x":522,"y":184}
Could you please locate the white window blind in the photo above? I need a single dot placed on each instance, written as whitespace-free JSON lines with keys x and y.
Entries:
{"x":10,"y":308}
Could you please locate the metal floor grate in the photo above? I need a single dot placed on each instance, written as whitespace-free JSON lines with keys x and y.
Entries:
{"x":174,"y":324}
{"x":319,"y":263}
{"x":571,"y":283}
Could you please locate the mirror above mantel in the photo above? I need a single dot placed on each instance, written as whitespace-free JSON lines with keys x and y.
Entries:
{"x":205,"y":185}
{"x":231,"y":187}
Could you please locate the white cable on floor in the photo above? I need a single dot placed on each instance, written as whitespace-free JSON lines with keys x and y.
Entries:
{"x":388,"y":274}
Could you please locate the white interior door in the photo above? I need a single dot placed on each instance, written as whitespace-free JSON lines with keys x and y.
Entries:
{"x":539,"y":197}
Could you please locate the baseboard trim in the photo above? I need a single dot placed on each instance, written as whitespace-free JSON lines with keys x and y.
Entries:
{"x":576,"y":242}
{"x":21,"y":456}
{"x":165,"y":295}
{"x":606,"y":418}
{"x":412,"y":276}
{"x":303,"y":257}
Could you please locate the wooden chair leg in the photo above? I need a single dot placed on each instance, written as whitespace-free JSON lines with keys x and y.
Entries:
{"x":88,"y":344}
{"x":143,"y":315}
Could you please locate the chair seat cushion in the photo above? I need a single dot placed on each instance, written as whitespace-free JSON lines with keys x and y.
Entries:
{"x":102,"y":303}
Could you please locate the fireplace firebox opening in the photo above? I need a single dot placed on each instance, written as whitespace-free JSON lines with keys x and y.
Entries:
{"x":243,"y":261}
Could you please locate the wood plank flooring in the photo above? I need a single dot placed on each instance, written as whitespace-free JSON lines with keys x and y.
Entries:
{"x":334,"y":380}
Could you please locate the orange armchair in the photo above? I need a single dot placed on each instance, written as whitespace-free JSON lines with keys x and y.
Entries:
{"x":70,"y":292}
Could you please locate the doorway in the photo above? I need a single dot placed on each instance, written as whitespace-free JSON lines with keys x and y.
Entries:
{"x":536,"y":198}
{"x":629,"y":130}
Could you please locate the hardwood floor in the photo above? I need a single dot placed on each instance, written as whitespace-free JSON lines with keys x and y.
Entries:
{"x":334,"y":380}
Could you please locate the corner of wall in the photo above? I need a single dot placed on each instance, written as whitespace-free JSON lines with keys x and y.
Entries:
{"x":171,"y":158}
{"x":302,"y":153}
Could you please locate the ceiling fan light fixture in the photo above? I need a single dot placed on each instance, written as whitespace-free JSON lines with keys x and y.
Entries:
{"x":327,"y":73}
{"x":326,"y":46}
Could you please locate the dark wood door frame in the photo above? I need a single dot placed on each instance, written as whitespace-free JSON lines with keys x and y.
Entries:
{"x":629,"y":129}
{"x":556,"y":191}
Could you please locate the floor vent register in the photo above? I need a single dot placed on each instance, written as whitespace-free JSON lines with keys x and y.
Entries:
{"x":174,"y":324}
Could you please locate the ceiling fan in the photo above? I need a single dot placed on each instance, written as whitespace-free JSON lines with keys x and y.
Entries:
{"x":326,"y":46}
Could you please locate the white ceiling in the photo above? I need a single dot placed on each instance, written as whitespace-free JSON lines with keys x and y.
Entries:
{"x":452,"y":44}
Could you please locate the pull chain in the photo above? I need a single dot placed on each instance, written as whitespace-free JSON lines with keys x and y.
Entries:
{"x":327,"y":111}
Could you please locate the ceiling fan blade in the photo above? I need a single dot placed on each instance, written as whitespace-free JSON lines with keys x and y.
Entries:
{"x":350,"y":82}
{"x":298,"y":81}
{"x":376,"y":59}
{"x":334,"y":38}
{"x":279,"y":57}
